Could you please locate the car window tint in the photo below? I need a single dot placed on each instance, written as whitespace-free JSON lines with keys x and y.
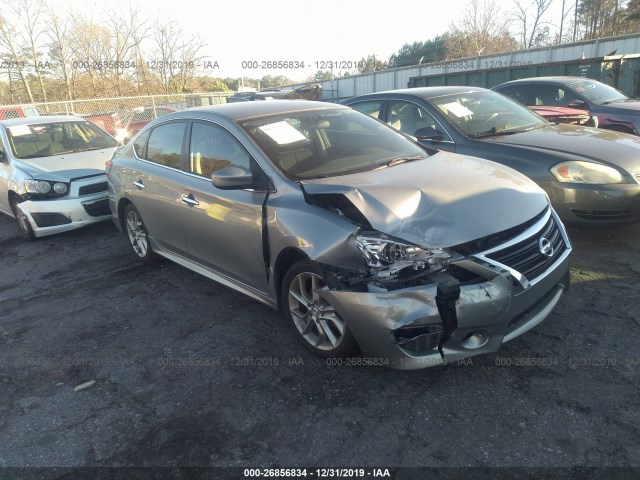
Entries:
{"x":370,"y":108}
{"x":520,"y":93}
{"x":565,"y":96}
{"x":165,"y":144}
{"x":213,"y":148}
{"x":550,"y":95}
{"x":409,"y":117}
{"x":140,"y":143}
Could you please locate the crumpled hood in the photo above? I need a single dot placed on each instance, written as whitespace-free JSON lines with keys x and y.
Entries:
{"x":442,"y":201}
{"x":66,"y":167}
{"x":603,"y":146}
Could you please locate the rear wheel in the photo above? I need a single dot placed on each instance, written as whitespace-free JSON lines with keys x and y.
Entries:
{"x":315,"y":321}
{"x":137,"y":234}
{"x":24,"y":227}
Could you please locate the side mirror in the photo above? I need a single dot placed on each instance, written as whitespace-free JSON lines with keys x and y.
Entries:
{"x":232,"y":178}
{"x":429,"y":133}
{"x":577,"y":104}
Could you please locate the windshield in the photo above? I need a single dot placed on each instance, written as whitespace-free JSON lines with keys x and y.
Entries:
{"x":56,"y":138}
{"x":482,"y":113}
{"x":325,"y":143}
{"x":597,"y":92}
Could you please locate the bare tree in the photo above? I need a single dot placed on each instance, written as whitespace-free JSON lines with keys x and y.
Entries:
{"x":127,"y":32}
{"x":30,"y":32}
{"x":174,"y":60}
{"x":528,"y":15}
{"x":61,"y":50}
{"x":12,"y":53}
{"x":483,"y":29}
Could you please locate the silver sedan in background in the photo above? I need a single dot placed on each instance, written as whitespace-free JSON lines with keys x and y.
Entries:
{"x":364,"y":239}
{"x":52,"y":176}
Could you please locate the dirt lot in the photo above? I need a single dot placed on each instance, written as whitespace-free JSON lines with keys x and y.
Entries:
{"x":191,"y":373}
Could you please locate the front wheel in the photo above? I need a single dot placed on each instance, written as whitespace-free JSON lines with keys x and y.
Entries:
{"x":24,"y":227}
{"x":137,"y":234}
{"x":316,"y":323}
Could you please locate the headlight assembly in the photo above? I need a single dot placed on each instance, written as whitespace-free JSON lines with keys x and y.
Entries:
{"x":60,"y":188}
{"x":387,"y":257}
{"x":42,"y":187}
{"x":586,"y":172}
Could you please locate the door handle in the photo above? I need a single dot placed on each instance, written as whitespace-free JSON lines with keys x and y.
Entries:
{"x":189,"y":200}
{"x":139,"y":184}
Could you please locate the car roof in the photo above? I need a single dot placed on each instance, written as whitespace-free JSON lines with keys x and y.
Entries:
{"x":425,"y":92}
{"x":41,"y":119}
{"x":245,"y":110}
{"x":564,"y":80}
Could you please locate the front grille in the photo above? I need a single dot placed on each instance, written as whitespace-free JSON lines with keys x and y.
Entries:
{"x":526,"y":256}
{"x":50,"y":219}
{"x":93,"y":188}
{"x":493,"y":240}
{"x":97,"y":209}
{"x":603,"y":215}
{"x":419,"y":339}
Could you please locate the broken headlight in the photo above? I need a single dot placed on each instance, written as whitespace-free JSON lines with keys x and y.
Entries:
{"x":387,"y":257}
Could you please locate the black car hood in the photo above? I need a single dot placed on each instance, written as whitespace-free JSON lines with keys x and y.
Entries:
{"x":442,"y":201}
{"x":631,"y":104}
{"x":575,"y":142}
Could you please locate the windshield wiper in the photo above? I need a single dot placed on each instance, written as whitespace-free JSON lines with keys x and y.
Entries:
{"x":615,"y":100}
{"x":493,"y":131}
{"x":398,"y":160}
{"x":488,"y":133}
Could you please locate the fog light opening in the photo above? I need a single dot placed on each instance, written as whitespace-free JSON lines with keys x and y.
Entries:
{"x":475,"y":340}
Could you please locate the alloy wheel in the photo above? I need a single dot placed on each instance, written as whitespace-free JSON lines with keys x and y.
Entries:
{"x":315,"y":319}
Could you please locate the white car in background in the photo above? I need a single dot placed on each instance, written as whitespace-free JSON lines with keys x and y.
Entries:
{"x":52,"y":176}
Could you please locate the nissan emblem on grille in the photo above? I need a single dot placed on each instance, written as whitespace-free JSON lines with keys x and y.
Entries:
{"x":546,"y":248}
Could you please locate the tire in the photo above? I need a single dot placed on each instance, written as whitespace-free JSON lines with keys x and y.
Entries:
{"x":315,"y":322}
{"x":137,"y":234}
{"x":24,"y":227}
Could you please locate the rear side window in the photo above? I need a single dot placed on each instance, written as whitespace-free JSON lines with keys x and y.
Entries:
{"x":165,"y":144}
{"x":140,"y":143}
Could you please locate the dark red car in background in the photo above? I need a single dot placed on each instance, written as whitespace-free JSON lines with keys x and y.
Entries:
{"x":613,"y":109}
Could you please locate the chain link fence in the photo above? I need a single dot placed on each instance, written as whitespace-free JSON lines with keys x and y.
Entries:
{"x":121,"y":116}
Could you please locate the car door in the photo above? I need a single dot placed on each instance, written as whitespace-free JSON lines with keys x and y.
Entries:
{"x":5,"y":174}
{"x":153,"y":186}
{"x":223,"y":227}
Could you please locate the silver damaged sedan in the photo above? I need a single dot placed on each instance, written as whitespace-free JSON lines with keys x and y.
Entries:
{"x":362,"y":238}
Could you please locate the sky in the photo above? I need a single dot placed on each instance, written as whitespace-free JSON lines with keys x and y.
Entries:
{"x":303,"y":31}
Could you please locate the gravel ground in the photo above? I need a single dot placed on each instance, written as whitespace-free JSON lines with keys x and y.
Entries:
{"x":190,"y":373}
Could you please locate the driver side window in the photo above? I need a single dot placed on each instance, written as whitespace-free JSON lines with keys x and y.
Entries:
{"x":212,"y":148}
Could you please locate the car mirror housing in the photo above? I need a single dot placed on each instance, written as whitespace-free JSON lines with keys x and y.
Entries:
{"x":429,"y":133}
{"x":577,"y":104}
{"x":232,"y":178}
